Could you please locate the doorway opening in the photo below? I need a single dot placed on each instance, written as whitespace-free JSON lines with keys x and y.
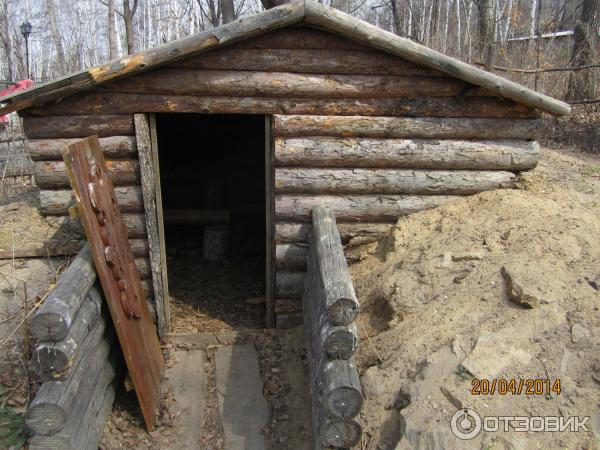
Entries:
{"x":212,"y":175}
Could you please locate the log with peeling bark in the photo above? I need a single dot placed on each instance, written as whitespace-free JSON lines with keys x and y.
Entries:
{"x":401,"y":127}
{"x":50,"y":149}
{"x":90,"y":409}
{"x":55,"y":317}
{"x":58,"y":201}
{"x":77,"y":126}
{"x":53,"y":174}
{"x":278,"y":84}
{"x":330,"y":270}
{"x":389,"y":181}
{"x":325,"y":61}
{"x":356,"y":208}
{"x":52,"y":360}
{"x":135,"y":224}
{"x":350,"y":233}
{"x":123,"y":103}
{"x":54,"y":401}
{"x":317,"y":151}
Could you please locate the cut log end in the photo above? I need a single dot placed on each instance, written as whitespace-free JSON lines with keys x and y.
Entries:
{"x":344,"y":401}
{"x":339,"y":432}
{"x":341,"y":343}
{"x":45,"y":418}
{"x":48,"y":326}
{"x":343,"y":311}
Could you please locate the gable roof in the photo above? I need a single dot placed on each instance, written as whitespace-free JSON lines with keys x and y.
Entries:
{"x":305,"y":11}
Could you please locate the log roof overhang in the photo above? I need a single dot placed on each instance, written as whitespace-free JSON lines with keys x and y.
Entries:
{"x":307,"y":12}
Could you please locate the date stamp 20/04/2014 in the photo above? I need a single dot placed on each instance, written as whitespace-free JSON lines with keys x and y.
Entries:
{"x":513,"y":386}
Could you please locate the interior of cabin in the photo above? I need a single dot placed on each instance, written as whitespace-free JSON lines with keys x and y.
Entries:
{"x":212,"y":176}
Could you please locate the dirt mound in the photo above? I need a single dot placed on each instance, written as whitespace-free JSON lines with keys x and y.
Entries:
{"x":503,"y":284}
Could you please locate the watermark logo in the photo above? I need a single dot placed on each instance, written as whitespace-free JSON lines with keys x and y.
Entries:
{"x":467,"y":423}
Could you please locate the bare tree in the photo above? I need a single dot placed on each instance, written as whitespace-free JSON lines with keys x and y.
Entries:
{"x":486,"y":23}
{"x":61,"y":60}
{"x":581,"y":83}
{"x":6,"y":38}
{"x":228,"y":11}
{"x":128,"y":13}
{"x":112,"y":32}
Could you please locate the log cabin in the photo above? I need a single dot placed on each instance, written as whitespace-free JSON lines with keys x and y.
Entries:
{"x":236,"y":133}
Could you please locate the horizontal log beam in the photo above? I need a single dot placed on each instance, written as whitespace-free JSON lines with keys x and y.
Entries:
{"x":134,"y":222}
{"x":57,"y":202}
{"x":54,"y":318}
{"x":308,"y":61}
{"x":389,"y":181}
{"x":291,"y":256}
{"x":413,"y":128}
{"x":52,"y":360}
{"x":77,"y":126}
{"x":53,"y":174}
{"x":122,"y":103}
{"x":279,"y":84}
{"x":350,"y":233}
{"x":143,"y":267}
{"x":317,"y":151}
{"x":356,"y":208}
{"x":288,"y":306}
{"x":289,"y":284}
{"x":287,"y":321}
{"x":113,"y":147}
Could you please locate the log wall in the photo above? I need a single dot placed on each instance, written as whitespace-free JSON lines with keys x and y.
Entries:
{"x":371,"y":136}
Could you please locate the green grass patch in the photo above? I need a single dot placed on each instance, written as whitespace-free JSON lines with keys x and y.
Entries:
{"x":591,"y":170}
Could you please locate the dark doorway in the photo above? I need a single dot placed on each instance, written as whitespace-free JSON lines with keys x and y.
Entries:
{"x":212,"y":174}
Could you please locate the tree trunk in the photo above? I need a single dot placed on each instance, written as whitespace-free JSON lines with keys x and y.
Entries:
{"x":487,"y":26}
{"x":61,"y":61}
{"x":581,"y":83}
{"x":6,"y":38}
{"x":228,"y":11}
{"x":128,"y":13}
{"x":112,"y":32}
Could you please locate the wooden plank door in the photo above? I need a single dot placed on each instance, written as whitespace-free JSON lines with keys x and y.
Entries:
{"x":113,"y":258}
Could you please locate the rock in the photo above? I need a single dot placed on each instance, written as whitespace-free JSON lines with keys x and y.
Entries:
{"x":470,"y":255}
{"x":579,"y":333}
{"x":462,"y":346}
{"x":446,"y":261}
{"x":371,"y":382}
{"x":516,"y":291}
{"x":492,"y":354}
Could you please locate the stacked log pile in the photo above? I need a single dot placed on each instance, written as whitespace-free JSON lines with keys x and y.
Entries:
{"x":330,"y":308}
{"x":76,"y":361}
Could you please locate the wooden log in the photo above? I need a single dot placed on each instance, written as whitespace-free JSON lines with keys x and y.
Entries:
{"x":122,"y":103}
{"x":135,"y":224}
{"x":406,"y":153}
{"x":300,"y":37}
{"x":291,"y":256}
{"x":279,"y":84}
{"x":339,"y":432}
{"x":90,"y":409}
{"x":139,"y":247}
{"x":396,"y":127}
{"x":330,"y":270}
{"x":350,"y":233}
{"x":288,"y":306}
{"x":289,"y":284}
{"x":52,"y":360}
{"x":389,"y":181}
{"x":53,"y":174}
{"x":363,"y":32}
{"x":194,"y":217}
{"x":98,"y":421}
{"x":57,"y":202}
{"x":287,"y":321}
{"x":54,"y":318}
{"x":77,"y":126}
{"x":307,"y":61}
{"x":341,"y":388}
{"x":143,"y":267}
{"x":356,"y":208}
{"x":54,"y":401}
{"x":50,"y":149}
